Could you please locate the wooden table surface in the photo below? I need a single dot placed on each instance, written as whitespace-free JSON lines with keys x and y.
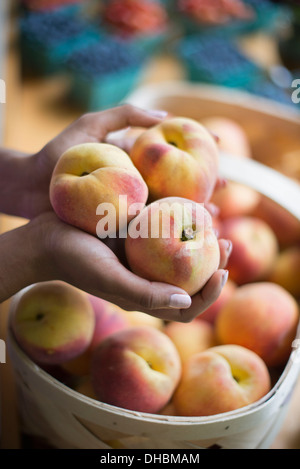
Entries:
{"x":34,"y":113}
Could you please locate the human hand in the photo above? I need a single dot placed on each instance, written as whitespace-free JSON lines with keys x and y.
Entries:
{"x":99,"y":268}
{"x":90,"y":127}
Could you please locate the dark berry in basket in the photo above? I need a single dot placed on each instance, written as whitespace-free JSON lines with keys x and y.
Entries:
{"x":107,"y":56}
{"x":53,"y":27}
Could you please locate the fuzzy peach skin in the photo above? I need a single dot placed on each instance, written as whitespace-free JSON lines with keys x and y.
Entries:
{"x":231,"y":136}
{"x":109,"y":319}
{"x":285,"y":226}
{"x":52,"y":322}
{"x":178,"y":157}
{"x":90,"y":174}
{"x":191,"y":338}
{"x":234,"y":200}
{"x":221,"y":379}
{"x":137,"y":369}
{"x":211,"y":313}
{"x":286,"y":270}
{"x":163,"y":253}
{"x":254,"y":248}
{"x":263,"y":317}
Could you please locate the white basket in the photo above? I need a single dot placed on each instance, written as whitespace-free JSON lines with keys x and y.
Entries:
{"x":68,"y":419}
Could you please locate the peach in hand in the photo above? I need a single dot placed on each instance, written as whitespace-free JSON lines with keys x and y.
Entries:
{"x":86,"y":186}
{"x":137,"y":369}
{"x":220,"y":379}
{"x":172,"y":240}
{"x":177,"y":158}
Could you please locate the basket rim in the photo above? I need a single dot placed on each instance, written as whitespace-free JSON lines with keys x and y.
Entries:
{"x":217,"y":93}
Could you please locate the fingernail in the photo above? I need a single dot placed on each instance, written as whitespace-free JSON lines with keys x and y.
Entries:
{"x":229,"y":247}
{"x":180,"y":301}
{"x":224,"y":277}
{"x":157,"y":113}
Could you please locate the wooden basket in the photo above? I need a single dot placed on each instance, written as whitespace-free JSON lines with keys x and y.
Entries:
{"x":68,"y":419}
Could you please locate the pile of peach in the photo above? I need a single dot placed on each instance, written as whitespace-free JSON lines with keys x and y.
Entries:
{"x":225,"y":358}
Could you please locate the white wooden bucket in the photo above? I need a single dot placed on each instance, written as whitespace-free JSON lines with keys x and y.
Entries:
{"x":68,"y":419}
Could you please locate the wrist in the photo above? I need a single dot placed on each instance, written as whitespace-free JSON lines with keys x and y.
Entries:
{"x":23,"y":259}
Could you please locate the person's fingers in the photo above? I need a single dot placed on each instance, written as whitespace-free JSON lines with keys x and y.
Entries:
{"x":99,"y":124}
{"x":220,"y":184}
{"x":225,"y":246}
{"x":212,"y":209}
{"x":206,"y":297}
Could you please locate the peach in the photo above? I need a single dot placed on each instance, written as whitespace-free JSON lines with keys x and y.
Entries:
{"x":235,"y":199}
{"x":85,"y":388}
{"x":137,"y":318}
{"x":178,"y":157}
{"x":211,"y":313}
{"x":92,"y":187}
{"x":221,"y":379}
{"x":285,"y":226}
{"x":286,"y":270}
{"x":263,"y":317}
{"x":172,"y":240}
{"x":109,"y":318}
{"x":191,"y":338}
{"x":254,"y":248}
{"x":137,"y":369}
{"x":53,"y":322}
{"x":231,"y":135}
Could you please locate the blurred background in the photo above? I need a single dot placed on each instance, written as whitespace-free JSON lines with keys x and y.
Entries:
{"x":61,"y":58}
{"x":64,"y":57}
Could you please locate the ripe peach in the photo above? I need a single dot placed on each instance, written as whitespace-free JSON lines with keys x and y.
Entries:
{"x":235,"y":200}
{"x":178,"y":157}
{"x":52,"y":321}
{"x":263,"y":317}
{"x":220,"y":379}
{"x":254,"y":248}
{"x":137,"y":368}
{"x":211,"y":313}
{"x":191,"y":338}
{"x":285,"y":226}
{"x":172,"y":241}
{"x":286,"y":270}
{"x":109,"y":318}
{"x":232,"y":138}
{"x":91,"y":174}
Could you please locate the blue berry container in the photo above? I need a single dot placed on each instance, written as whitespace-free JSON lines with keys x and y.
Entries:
{"x":103,"y":73}
{"x":216,"y":60}
{"x":48,"y":38}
